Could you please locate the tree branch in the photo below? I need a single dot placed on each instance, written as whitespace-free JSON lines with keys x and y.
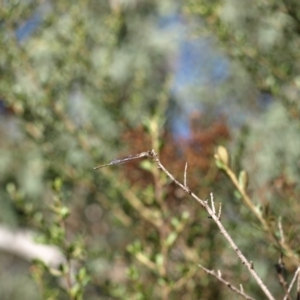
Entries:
{"x":153,"y":155}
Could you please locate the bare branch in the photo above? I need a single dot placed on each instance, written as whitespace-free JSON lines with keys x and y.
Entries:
{"x":228,"y":284}
{"x":220,"y":211}
{"x":212,"y":203}
{"x":153,"y":155}
{"x":292,"y":283}
{"x":185,"y":169}
{"x":241,"y":288}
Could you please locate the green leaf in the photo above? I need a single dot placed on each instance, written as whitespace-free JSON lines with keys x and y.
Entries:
{"x":171,"y":238}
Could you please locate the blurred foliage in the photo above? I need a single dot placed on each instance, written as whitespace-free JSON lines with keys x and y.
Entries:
{"x":90,"y":83}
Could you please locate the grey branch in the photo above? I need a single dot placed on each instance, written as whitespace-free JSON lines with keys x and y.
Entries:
{"x":153,"y":156}
{"x":228,"y":284}
{"x":205,"y":205}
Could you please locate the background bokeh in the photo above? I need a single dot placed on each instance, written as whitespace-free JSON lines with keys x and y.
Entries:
{"x":84,"y":82}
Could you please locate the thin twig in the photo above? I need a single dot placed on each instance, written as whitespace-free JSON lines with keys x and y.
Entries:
{"x":241,"y":288}
{"x":220,"y":211}
{"x":185,"y":169}
{"x":228,"y":284}
{"x":212,"y":203}
{"x":292,"y":283}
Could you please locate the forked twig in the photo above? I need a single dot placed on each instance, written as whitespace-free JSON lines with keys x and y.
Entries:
{"x":228,"y":284}
{"x":292,"y":283}
{"x":153,"y":155}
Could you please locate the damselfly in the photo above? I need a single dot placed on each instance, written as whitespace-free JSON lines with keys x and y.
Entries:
{"x":125,"y":159}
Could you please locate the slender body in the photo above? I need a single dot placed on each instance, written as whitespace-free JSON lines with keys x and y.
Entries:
{"x":124,"y":160}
